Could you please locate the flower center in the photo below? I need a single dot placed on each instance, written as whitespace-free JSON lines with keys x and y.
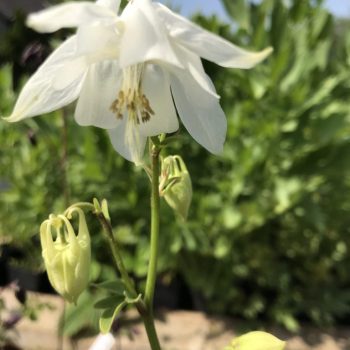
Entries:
{"x":131,"y":99}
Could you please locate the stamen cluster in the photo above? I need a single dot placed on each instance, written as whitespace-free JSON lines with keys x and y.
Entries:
{"x":131,"y":99}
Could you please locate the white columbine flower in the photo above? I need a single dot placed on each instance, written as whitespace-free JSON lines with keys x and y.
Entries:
{"x":131,"y":73}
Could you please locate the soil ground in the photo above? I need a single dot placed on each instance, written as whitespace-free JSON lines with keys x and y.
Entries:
{"x":178,"y":330}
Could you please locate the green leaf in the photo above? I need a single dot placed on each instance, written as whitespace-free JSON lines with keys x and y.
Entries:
{"x":109,"y":302}
{"x":278,"y":31}
{"x":239,"y":11}
{"x":108,"y":316}
{"x":79,"y":316}
{"x":289,"y":322}
{"x":116,"y":286}
{"x":319,"y":22}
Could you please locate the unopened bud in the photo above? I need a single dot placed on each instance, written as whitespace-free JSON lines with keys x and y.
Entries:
{"x":175,"y":185}
{"x":256,"y":341}
{"x":67,"y":256}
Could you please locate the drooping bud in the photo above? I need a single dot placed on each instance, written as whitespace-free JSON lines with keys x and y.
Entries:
{"x":67,"y":255}
{"x":256,"y":341}
{"x":175,"y":185}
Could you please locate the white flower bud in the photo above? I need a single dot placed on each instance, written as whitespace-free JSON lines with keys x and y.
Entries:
{"x":67,"y":256}
{"x":175,"y":185}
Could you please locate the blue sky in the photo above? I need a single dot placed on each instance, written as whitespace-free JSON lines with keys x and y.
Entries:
{"x":187,"y":7}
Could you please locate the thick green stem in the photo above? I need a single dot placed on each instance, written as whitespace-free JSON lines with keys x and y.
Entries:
{"x":151,"y":331}
{"x":152,"y":266}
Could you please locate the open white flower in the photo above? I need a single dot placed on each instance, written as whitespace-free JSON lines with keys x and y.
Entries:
{"x":128,"y":71}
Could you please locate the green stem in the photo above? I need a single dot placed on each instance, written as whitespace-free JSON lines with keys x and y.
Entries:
{"x":113,"y":244}
{"x":152,"y":266}
{"x":151,"y":331}
{"x":145,"y":306}
{"x":64,"y":158}
{"x":144,"y":311}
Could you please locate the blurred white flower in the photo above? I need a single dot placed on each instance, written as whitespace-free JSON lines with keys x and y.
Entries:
{"x":256,"y":340}
{"x":131,"y":73}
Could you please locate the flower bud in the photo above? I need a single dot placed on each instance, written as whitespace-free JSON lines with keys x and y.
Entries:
{"x":67,"y":257}
{"x":175,"y":185}
{"x":256,"y":341}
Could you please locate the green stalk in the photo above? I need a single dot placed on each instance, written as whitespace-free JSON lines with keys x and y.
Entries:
{"x":144,"y":311}
{"x":113,"y":244}
{"x":144,"y":306}
{"x":148,"y":319}
{"x":64,"y":158}
{"x":151,"y":331}
{"x":155,"y":201}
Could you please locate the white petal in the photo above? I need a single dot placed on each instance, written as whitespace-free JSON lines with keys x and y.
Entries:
{"x":145,"y":36}
{"x":66,"y":15}
{"x":193,"y":64}
{"x":206,"y":44}
{"x":111,"y":4}
{"x":127,"y":141}
{"x":156,"y":87}
{"x":100,"y":89}
{"x":40,"y":94}
{"x":66,"y":74}
{"x":99,"y":41}
{"x":199,"y":111}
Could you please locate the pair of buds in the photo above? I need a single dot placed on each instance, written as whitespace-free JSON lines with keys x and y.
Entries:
{"x":67,"y":255}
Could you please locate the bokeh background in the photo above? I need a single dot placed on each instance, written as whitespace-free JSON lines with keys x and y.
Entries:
{"x":268,"y":234}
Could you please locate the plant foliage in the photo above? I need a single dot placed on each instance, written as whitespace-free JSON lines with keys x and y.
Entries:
{"x":268,"y":230}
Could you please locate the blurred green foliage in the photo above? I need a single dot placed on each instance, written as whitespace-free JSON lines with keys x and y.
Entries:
{"x":268,"y":230}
